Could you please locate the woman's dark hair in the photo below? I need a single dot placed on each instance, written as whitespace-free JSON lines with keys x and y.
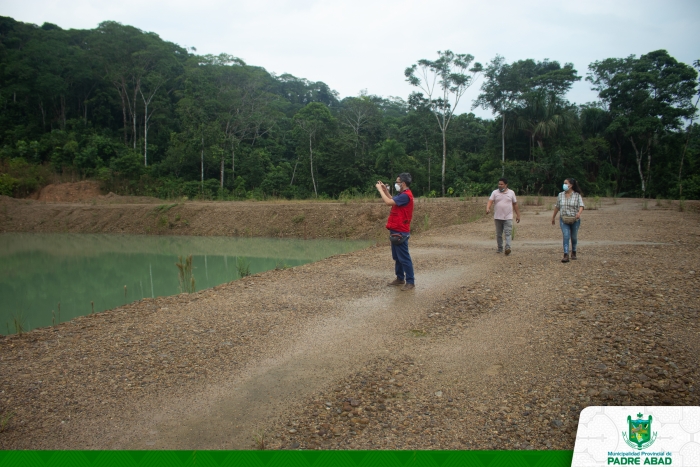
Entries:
{"x":406,"y":178}
{"x":574,"y":185}
{"x":504,"y":180}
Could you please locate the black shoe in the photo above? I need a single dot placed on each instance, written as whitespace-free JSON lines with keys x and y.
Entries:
{"x":565,"y":259}
{"x":573,"y":255}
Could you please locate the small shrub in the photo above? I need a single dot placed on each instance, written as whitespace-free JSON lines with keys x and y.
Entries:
{"x":426,"y":222}
{"x":658,"y":200}
{"x":185,"y":275}
{"x":681,"y":205}
{"x":243,"y":267}
{"x":163,"y":221}
{"x":298,"y":219}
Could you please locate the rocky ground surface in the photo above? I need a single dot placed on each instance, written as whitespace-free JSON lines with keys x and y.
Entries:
{"x":489,"y":352}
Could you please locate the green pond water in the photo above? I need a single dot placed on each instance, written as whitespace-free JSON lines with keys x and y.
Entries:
{"x":41,"y":271}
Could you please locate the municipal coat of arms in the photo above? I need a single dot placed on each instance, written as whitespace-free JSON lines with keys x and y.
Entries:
{"x":640,"y":434}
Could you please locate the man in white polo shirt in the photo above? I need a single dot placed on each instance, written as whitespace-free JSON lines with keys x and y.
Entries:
{"x":505,"y":201}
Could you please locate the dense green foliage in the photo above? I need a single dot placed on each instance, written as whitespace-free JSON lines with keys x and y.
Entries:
{"x":146,"y":116}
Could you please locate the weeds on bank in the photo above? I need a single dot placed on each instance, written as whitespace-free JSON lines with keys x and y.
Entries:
{"x":259,"y":440}
{"x":530,"y":201}
{"x":281,"y":266}
{"x":165,"y":207}
{"x":18,"y":322}
{"x":5,"y":421}
{"x":243,"y":267}
{"x":658,"y":200}
{"x":426,"y":222}
{"x":298,"y":219}
{"x":185,"y":275}
{"x":596,"y":204}
{"x":475,"y":217}
{"x":681,"y":205}
{"x":418,"y":333}
{"x":645,"y":205}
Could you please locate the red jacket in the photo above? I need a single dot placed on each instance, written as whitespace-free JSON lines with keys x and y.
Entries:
{"x":400,"y":216}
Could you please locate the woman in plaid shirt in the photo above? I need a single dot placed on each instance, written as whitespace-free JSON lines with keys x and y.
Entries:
{"x":570,"y":203}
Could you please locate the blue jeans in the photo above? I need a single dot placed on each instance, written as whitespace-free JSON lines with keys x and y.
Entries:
{"x":570,"y":231}
{"x":402,"y":258}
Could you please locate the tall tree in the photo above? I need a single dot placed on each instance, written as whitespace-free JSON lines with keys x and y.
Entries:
{"x":646,"y":97}
{"x":311,"y":121}
{"x":444,"y":81}
{"x":507,"y":86}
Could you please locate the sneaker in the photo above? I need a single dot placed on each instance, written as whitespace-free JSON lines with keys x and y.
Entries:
{"x":507,"y":250}
{"x":499,"y":251}
{"x":397,"y":282}
{"x":408,"y":287}
{"x":565,"y":259}
{"x":573,"y":255}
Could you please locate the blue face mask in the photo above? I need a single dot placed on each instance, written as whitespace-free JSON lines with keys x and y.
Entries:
{"x":566,"y":187}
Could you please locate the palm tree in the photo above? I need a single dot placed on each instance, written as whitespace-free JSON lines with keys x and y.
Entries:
{"x":541,"y":116}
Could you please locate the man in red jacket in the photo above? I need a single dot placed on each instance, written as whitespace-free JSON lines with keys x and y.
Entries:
{"x":399,"y":225}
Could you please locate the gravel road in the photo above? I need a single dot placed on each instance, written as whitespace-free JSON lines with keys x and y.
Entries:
{"x":488,"y":352}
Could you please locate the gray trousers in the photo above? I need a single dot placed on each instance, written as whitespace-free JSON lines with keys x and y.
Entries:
{"x":501,"y":227}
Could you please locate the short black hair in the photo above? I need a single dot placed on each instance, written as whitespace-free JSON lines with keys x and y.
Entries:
{"x":406,"y":178}
{"x":504,"y":180}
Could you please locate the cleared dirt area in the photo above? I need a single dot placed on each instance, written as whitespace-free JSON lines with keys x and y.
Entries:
{"x":488,"y":352}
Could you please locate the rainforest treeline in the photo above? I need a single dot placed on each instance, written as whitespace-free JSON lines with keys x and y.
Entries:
{"x":148,"y":117}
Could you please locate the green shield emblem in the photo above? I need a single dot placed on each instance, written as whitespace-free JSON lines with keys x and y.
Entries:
{"x":639,"y":430}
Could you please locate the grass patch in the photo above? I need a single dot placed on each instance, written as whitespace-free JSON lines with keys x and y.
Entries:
{"x":418,"y":333}
{"x":596,"y":204}
{"x":5,"y":421}
{"x":260,"y":440}
{"x":530,"y":201}
{"x":243,"y":267}
{"x":475,"y":217}
{"x":658,"y":200}
{"x":426,"y":222}
{"x":681,"y":205}
{"x":185,"y":275}
{"x":298,"y":219}
{"x":645,"y":205}
{"x":165,"y":207}
{"x":18,"y":322}
{"x":281,"y":266}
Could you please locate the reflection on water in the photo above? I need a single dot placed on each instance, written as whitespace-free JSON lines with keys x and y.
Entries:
{"x":79,"y":272}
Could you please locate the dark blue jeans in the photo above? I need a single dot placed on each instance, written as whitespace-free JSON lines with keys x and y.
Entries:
{"x":570,"y":231}
{"x":402,"y":258}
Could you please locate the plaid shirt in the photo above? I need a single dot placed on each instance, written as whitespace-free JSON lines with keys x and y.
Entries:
{"x":569,"y":206}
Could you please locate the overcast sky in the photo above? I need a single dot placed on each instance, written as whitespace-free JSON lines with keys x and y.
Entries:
{"x":367,"y":44}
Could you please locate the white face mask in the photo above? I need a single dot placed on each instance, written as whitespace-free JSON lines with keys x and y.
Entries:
{"x":397,"y":186}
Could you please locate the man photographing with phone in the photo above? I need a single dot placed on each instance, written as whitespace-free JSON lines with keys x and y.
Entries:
{"x":399,"y":225}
